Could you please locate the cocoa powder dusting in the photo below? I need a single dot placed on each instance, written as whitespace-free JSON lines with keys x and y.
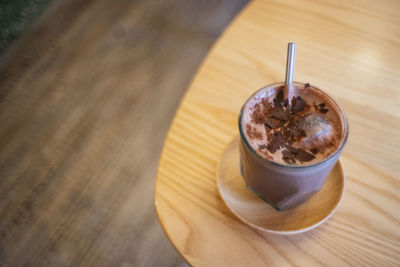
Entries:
{"x":258,"y":115}
{"x":253,"y":133}
{"x":282,"y":128}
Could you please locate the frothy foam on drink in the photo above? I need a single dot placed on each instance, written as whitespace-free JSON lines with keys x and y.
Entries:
{"x":303,"y":133}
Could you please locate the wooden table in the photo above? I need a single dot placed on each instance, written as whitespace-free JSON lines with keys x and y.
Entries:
{"x":351,"y":49}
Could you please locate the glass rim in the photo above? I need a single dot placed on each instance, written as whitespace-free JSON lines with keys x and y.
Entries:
{"x":338,"y":150}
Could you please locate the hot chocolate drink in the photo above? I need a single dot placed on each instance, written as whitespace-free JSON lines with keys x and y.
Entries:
{"x":303,"y":133}
{"x":289,"y":147}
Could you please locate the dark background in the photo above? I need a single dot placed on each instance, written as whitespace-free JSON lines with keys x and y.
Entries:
{"x":88,"y":90}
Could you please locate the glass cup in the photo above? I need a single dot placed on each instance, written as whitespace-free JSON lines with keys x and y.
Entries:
{"x":286,"y":186}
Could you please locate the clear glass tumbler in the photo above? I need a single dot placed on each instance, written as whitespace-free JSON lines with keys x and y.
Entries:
{"x":286,"y":186}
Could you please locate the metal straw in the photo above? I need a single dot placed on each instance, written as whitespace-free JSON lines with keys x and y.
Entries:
{"x":290,"y":63}
{"x":288,"y":90}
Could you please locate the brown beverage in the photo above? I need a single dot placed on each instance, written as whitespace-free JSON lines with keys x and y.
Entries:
{"x":287,"y":151}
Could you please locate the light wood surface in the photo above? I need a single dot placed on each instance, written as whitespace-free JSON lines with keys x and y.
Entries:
{"x":350,"y":49}
{"x":255,"y":212}
{"x":86,"y":99}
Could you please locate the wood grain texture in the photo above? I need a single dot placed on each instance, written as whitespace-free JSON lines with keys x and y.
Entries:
{"x":350,"y":49}
{"x":85,"y":101}
{"x":255,"y":212}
